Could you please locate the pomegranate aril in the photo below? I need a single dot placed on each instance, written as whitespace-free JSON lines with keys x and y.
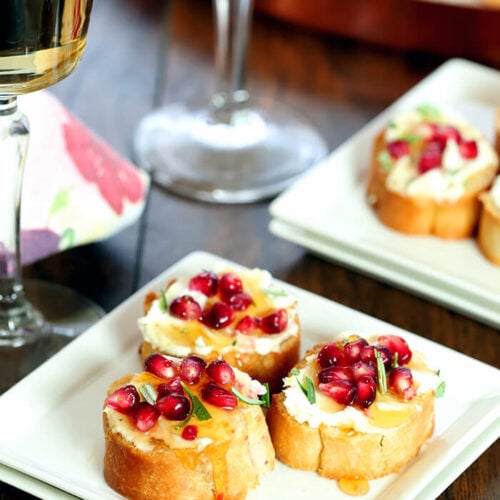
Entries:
{"x":218,"y":396}
{"x":206,"y":282}
{"x":341,"y":391}
{"x":220,"y":372}
{"x":400,"y":381}
{"x":398,"y":148}
{"x":275,"y":322}
{"x":352,"y":350}
{"x":172,"y":387}
{"x":190,"y":432}
{"x":366,"y":391}
{"x":330,"y":355}
{"x":174,"y":406}
{"x":361,"y":369}
{"x":468,"y":149}
{"x":123,"y":399}
{"x":396,"y":345}
{"x":449,"y":132}
{"x":247,"y":325}
{"x":239,"y":301}
{"x":335,"y":373}
{"x":429,"y":160}
{"x":185,"y":307}
{"x":367,"y":355}
{"x":229,"y":284}
{"x":218,"y":316}
{"x":161,"y":366}
{"x":191,"y":369}
{"x":145,"y":416}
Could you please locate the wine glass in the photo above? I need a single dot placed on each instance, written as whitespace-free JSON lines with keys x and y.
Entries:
{"x":236,"y":148}
{"x":41,"y":42}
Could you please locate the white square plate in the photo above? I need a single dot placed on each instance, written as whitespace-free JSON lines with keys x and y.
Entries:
{"x":326,"y":211}
{"x":51,"y":427}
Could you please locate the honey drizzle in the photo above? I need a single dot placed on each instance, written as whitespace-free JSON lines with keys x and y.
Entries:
{"x":354,"y":486}
{"x":193,"y":331}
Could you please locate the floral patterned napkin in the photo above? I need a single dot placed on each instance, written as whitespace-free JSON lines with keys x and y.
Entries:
{"x":77,"y":189}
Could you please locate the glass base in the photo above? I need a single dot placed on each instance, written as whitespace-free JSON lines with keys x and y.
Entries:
{"x":259,"y":153}
{"x":56,"y":310}
{"x":60,"y":315}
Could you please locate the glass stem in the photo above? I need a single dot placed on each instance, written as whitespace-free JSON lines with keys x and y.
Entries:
{"x":14,"y":134}
{"x":232,"y":21}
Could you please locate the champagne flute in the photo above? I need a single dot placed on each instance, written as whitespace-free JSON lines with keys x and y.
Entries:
{"x":236,"y":148}
{"x":41,"y":42}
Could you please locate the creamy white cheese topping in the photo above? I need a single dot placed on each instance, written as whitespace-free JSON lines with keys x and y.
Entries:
{"x":145,"y":441}
{"x":447,"y":182}
{"x":158,"y":321}
{"x":348,"y":417}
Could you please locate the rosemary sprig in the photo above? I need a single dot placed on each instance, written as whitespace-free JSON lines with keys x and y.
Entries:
{"x":199,"y":410}
{"x":308,"y":388}
{"x":163,"y":300}
{"x":149,"y":393}
{"x":381,"y":373}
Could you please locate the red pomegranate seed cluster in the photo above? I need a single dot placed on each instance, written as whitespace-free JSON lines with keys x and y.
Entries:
{"x":431,"y":155}
{"x":349,"y":373}
{"x":213,"y":381}
{"x":227,"y":299}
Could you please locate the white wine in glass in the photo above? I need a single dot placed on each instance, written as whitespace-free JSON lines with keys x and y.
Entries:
{"x":41,"y":42}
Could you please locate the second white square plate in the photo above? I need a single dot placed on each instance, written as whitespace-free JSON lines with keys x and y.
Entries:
{"x":327,"y":211}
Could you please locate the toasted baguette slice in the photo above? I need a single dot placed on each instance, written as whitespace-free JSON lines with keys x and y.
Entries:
{"x":244,"y":342}
{"x":489,"y":224}
{"x":226,"y":458}
{"x":450,"y":212}
{"x":342,"y":442}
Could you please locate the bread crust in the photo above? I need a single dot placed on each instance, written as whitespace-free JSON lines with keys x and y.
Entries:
{"x":228,"y":467}
{"x":420,"y":215}
{"x":488,"y":237}
{"x":336,"y":452}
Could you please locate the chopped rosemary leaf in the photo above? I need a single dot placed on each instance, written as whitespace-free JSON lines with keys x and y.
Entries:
{"x":384,"y":158}
{"x":149,"y":393}
{"x":440,"y":390}
{"x":311,"y":393}
{"x":163,"y":302}
{"x":395,"y":360}
{"x":429,"y":111}
{"x":308,"y":389}
{"x":411,"y":138}
{"x":274,"y":292}
{"x":198,"y":408}
{"x":266,"y":398}
{"x":381,"y":374}
{"x":245,"y":399}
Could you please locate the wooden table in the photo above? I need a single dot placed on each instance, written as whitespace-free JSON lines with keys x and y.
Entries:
{"x":339,"y":83}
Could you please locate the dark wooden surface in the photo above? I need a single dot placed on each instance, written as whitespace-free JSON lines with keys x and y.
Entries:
{"x":143,"y":53}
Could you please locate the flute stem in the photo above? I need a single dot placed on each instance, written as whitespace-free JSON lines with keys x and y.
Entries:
{"x":232,"y":21}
